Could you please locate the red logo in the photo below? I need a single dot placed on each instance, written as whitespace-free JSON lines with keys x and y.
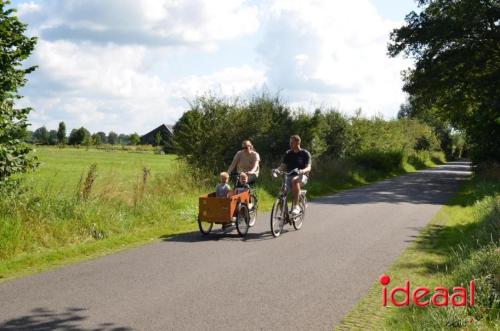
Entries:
{"x":439,"y":297}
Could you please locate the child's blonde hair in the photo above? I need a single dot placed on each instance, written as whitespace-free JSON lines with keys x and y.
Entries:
{"x":224,"y":174}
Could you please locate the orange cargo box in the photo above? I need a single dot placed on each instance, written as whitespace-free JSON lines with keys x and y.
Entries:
{"x":214,"y":209}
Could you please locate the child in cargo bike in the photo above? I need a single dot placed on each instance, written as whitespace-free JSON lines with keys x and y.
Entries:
{"x":241,"y":187}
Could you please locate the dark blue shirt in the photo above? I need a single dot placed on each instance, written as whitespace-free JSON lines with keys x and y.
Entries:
{"x":299,"y":160}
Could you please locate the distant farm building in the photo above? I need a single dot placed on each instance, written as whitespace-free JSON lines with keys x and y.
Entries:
{"x":162,"y":135}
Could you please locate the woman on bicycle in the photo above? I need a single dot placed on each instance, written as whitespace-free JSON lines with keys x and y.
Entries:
{"x":246,"y":160}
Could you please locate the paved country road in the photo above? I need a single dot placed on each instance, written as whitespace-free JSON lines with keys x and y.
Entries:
{"x":304,"y":280}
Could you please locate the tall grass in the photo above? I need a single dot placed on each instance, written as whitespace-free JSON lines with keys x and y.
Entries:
{"x":40,"y":218}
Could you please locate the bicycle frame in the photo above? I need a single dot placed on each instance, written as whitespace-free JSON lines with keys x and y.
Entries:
{"x":283,"y":195}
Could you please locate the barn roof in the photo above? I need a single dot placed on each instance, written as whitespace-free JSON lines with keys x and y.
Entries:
{"x":167,"y":127}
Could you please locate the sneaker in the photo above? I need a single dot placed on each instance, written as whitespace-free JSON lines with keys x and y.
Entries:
{"x":296,"y":210}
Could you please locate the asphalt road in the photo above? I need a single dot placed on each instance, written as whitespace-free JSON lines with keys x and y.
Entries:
{"x":304,"y":280}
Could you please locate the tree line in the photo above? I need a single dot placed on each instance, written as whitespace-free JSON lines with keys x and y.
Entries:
{"x":211,"y":131}
{"x":81,"y":136}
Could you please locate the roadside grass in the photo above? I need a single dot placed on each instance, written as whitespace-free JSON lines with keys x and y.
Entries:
{"x":82,"y":202}
{"x":460,"y":244}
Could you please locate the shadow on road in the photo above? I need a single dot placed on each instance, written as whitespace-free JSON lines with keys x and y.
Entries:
{"x":218,"y":235}
{"x":42,"y":319}
{"x":433,"y":186}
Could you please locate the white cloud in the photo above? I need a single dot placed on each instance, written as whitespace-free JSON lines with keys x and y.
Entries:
{"x":110,"y":87}
{"x":330,"y":52}
{"x":199,"y":23}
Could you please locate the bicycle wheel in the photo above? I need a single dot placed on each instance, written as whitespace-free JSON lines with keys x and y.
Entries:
{"x":205,"y":227}
{"x":242,"y":220}
{"x":253,"y":211}
{"x":299,"y":219}
{"x":277,"y":218}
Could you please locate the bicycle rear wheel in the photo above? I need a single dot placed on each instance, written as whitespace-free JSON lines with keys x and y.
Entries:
{"x":299,"y":219}
{"x":277,"y":218}
{"x":242,"y":220}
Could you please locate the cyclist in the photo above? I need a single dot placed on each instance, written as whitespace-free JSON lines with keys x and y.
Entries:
{"x":296,"y":158}
{"x":247,"y":161}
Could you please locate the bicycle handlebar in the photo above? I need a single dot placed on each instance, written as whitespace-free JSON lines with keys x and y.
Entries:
{"x":277,"y":172}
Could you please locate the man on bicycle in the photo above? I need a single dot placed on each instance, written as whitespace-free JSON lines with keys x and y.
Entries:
{"x":296,"y":158}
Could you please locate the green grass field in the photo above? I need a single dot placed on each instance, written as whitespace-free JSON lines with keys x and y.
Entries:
{"x":60,"y":169}
{"x":134,"y":198}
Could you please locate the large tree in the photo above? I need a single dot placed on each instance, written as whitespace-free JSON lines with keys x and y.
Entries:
{"x":456,"y":49}
{"x":15,"y":47}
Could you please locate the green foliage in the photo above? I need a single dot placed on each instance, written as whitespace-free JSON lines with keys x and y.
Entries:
{"x":41,"y":136}
{"x":96,"y":139}
{"x":15,"y":47}
{"x":61,"y":134}
{"x":209,"y":134}
{"x":79,"y":137}
{"x":457,"y":50}
{"x":123,"y":139}
{"x":112,"y":138}
{"x":102,"y":137}
{"x":135,"y":139}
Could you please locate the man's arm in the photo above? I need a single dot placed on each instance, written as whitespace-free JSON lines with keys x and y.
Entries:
{"x":305,"y":170}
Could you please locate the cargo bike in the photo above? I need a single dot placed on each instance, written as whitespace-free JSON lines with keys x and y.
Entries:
{"x":237,"y":208}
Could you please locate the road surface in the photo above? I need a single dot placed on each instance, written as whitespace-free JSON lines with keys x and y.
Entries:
{"x":304,"y":280}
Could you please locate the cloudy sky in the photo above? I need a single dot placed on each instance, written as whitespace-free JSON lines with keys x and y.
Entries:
{"x":130,"y":65}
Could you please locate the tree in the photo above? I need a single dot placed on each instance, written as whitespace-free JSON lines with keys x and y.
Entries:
{"x":123,"y":139}
{"x":456,"y":51}
{"x":135,"y":139}
{"x":15,"y":47}
{"x":79,"y":136}
{"x":112,"y":138}
{"x":61,"y":133}
{"x":102,"y":136}
{"x":96,"y":139}
{"x":52,"y":138}
{"x":41,"y":136}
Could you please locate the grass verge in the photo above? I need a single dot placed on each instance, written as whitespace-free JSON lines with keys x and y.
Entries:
{"x":460,"y":244}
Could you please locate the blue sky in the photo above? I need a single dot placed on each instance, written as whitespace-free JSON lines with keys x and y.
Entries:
{"x":128,"y":65}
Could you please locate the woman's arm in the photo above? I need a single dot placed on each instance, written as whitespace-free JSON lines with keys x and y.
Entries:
{"x":255,"y":165}
{"x":233,"y":165}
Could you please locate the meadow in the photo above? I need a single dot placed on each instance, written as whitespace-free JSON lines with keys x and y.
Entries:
{"x":81,"y":202}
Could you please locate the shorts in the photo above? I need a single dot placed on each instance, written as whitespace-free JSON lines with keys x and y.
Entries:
{"x":302,"y":180}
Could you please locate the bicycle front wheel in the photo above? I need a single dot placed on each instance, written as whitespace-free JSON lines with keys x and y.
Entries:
{"x":299,"y":219}
{"x":253,"y":210}
{"x":277,"y":218}
{"x":205,"y":227}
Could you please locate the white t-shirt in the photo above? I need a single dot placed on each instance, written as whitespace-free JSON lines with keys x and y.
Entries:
{"x":244,"y":162}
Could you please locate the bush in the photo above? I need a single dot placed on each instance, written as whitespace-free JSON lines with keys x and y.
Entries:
{"x":210,"y":132}
{"x":383,"y":161}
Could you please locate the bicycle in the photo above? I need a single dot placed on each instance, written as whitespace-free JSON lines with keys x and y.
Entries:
{"x":252,"y":212}
{"x":280,"y":213}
